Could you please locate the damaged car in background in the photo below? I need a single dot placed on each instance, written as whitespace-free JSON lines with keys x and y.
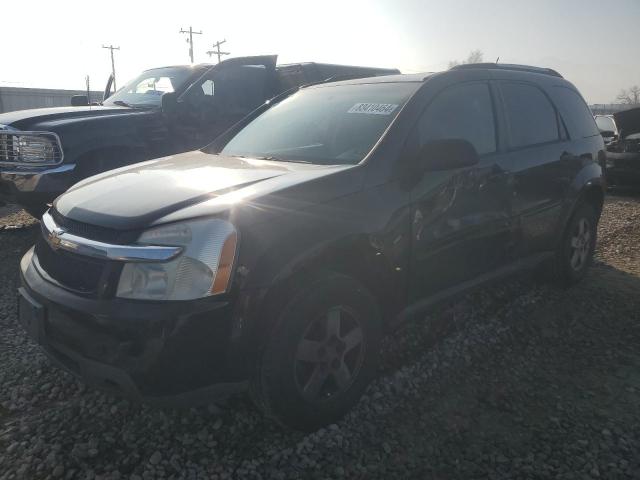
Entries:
{"x":621,"y":132}
{"x":163,"y":111}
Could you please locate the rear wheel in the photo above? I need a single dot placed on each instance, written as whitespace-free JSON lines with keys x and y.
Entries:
{"x":575,"y":254}
{"x":321,"y":354}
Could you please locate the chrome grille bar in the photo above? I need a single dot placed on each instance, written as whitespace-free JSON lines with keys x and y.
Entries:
{"x":13,"y":153}
{"x":58,"y":238}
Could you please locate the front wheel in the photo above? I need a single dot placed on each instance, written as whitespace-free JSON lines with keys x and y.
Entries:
{"x":320,"y":356}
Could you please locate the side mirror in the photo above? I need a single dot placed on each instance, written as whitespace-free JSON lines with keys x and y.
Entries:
{"x":79,"y":101}
{"x":447,"y":154}
{"x":169,"y":102}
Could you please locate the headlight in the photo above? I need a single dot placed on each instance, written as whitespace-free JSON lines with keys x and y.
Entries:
{"x":202,"y":269}
{"x":33,"y":148}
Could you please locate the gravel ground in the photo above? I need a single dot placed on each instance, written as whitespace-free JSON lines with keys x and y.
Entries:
{"x":519,"y":380}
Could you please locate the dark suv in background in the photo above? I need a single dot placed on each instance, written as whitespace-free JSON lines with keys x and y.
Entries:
{"x":161,"y":112}
{"x":277,"y":257}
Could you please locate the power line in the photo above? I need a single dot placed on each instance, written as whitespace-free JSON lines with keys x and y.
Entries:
{"x":217,"y":50}
{"x":190,"y":40}
{"x":113,"y":65}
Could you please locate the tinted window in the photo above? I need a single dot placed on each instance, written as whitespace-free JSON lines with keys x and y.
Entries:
{"x":328,"y":124}
{"x":532,"y":118}
{"x":575,"y":113}
{"x":461,"y":112}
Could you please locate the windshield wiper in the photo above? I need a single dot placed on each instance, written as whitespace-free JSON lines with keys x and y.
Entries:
{"x":122,"y":103}
{"x":270,"y":158}
{"x":275,"y":159}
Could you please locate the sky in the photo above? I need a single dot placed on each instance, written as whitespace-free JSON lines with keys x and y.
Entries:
{"x":55,"y":44}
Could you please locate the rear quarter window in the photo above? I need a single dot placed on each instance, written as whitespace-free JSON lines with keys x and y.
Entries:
{"x":574,"y":112}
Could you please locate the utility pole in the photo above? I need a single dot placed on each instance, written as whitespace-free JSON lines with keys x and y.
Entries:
{"x":113,"y":65}
{"x":217,"y":50}
{"x":190,"y":40}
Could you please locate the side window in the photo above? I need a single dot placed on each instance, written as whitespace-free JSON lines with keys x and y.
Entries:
{"x":575,"y":113}
{"x":531,"y":116}
{"x":461,"y":112}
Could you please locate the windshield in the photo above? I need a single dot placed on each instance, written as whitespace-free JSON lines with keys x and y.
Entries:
{"x":329,"y":124}
{"x":605,"y":124}
{"x":147,"y":89}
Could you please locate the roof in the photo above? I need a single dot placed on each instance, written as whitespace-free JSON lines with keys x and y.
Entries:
{"x":198,"y":66}
{"x":507,"y":66}
{"x":421,"y":77}
{"x":400,"y":78}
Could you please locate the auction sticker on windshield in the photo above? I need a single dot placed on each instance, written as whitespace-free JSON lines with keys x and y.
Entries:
{"x":373,"y":108}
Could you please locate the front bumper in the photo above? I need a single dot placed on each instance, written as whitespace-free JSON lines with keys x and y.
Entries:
{"x":166,"y":353}
{"x":39,"y":185}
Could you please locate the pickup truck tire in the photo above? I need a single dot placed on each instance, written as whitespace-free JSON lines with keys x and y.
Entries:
{"x":320,"y":356}
{"x":575,"y":253}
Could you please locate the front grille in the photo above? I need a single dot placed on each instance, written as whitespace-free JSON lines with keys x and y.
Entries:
{"x":76,"y":272}
{"x":30,"y":148}
{"x":86,"y":230}
{"x":6,"y":147}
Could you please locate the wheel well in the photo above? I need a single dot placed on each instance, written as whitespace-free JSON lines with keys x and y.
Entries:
{"x":595,"y":197}
{"x":93,"y":162}
{"x":356,"y":260}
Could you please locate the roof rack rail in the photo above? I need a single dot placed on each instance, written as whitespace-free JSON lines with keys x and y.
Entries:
{"x":508,"y":66}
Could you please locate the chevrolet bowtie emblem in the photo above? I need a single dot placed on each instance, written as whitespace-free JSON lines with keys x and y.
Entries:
{"x":53,"y":238}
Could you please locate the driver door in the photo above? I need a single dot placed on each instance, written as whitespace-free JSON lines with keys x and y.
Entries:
{"x":462,"y":222}
{"x":221,"y":97}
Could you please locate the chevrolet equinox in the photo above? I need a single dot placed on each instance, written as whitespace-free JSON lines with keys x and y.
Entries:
{"x":275,"y":258}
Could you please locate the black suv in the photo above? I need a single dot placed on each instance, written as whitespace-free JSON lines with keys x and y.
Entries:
{"x":162,"y":111}
{"x":277,"y":256}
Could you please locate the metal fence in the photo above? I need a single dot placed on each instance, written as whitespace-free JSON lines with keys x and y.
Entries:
{"x":13,"y":98}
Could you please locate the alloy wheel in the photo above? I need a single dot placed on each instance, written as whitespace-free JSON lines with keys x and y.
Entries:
{"x":580,"y":245}
{"x":330,"y":354}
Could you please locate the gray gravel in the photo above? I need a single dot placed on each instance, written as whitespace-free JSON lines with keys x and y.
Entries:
{"x":519,"y":380}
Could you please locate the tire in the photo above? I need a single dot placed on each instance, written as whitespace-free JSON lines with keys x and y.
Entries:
{"x":321,"y":354}
{"x":575,"y":253}
{"x":36,"y":210}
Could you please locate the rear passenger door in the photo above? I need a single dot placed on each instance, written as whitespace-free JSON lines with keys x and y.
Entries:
{"x":461,"y":218}
{"x":537,"y":144}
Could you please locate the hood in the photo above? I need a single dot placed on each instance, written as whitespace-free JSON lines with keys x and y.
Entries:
{"x":180,"y":186}
{"x":628,"y":121}
{"x":26,"y":119}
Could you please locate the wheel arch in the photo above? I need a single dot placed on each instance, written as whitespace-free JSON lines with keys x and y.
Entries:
{"x":353,"y":256}
{"x":94,"y":161}
{"x":591,"y":192}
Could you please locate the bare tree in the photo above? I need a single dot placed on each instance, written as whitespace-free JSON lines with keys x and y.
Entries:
{"x":630,"y":96}
{"x":475,"y":56}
